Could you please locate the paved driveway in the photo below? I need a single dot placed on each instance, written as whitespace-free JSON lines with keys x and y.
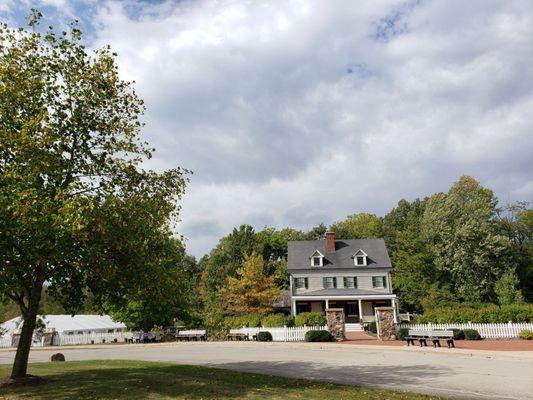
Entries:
{"x":455,"y":373}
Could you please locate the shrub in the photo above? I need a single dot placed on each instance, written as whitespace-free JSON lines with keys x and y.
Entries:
{"x":238,"y":321}
{"x":472,"y":334}
{"x":264,"y":337}
{"x":458,"y":334}
{"x":318,"y":336}
{"x":310,"y":319}
{"x":482,"y":314}
{"x":402,"y":333}
{"x":274,"y":320}
{"x":525,"y":334}
{"x":373,"y":327}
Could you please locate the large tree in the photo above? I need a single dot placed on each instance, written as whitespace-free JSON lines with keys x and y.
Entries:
{"x":469,"y":252}
{"x":357,"y":226}
{"x":77,"y":211}
{"x":251,"y":291}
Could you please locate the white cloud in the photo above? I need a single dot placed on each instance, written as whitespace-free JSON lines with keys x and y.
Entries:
{"x":298,"y":112}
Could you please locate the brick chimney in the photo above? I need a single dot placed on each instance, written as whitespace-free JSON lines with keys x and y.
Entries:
{"x":330,"y":241}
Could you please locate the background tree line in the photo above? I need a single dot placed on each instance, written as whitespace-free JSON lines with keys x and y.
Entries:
{"x":457,"y":247}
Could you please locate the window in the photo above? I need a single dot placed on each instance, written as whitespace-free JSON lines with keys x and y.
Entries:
{"x":329,"y":282}
{"x":301,"y":283}
{"x":350,"y":282}
{"x":317,"y":259}
{"x":360,"y":258}
{"x":379,"y":282}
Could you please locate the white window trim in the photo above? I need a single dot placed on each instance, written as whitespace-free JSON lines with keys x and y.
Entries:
{"x":296,"y":280}
{"x":354,"y":282}
{"x":325,"y":279}
{"x":320,"y":256}
{"x":382,"y":282}
{"x":360,"y":253}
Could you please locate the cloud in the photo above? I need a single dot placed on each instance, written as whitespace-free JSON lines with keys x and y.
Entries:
{"x":298,"y":112}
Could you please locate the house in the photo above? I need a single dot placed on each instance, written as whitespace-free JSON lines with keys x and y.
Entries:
{"x":351,"y":274}
{"x":64,"y":324}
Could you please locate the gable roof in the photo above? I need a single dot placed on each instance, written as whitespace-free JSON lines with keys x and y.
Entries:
{"x":342,"y":257}
{"x":65,"y":323}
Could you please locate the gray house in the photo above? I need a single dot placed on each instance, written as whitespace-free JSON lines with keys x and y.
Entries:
{"x":351,"y":274}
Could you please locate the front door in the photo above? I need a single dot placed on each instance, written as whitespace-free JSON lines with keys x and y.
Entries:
{"x":351,"y":311}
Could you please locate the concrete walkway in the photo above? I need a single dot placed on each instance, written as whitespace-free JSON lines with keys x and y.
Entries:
{"x":456,"y":373}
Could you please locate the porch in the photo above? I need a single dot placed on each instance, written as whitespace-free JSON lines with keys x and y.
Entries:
{"x":356,"y":310}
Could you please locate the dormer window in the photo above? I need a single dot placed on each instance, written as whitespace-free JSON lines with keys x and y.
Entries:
{"x":317,"y":259}
{"x":360,"y":258}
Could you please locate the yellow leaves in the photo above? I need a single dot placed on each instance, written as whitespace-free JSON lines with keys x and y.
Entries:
{"x":251,"y":291}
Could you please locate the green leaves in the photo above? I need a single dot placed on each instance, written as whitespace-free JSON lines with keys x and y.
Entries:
{"x":77,"y":210}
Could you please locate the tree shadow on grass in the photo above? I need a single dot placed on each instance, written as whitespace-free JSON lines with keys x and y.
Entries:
{"x":141,"y":380}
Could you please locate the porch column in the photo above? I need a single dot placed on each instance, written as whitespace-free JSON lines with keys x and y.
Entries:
{"x":393,"y":304}
{"x":360,"y":309}
{"x":293,"y":308}
{"x":327,"y":304}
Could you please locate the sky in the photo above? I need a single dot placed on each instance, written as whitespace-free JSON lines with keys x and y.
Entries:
{"x":297,"y":112}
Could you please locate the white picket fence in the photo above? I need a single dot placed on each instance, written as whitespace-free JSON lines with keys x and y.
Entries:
{"x":61,"y":339}
{"x":5,"y":341}
{"x":487,"y":331}
{"x":281,"y":334}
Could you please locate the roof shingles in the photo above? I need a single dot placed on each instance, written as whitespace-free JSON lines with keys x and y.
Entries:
{"x":342,"y":258}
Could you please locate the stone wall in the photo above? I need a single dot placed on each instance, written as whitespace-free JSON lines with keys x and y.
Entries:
{"x":335,"y":318}
{"x":385,"y":323}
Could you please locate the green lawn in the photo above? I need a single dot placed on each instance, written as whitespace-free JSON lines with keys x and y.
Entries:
{"x":147,"y":380}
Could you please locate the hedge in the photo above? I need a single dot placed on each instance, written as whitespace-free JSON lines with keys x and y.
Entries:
{"x":318,"y":336}
{"x":372,"y":327}
{"x":238,"y":321}
{"x":402,"y":333}
{"x":485,"y":314}
{"x":310,"y":319}
{"x":525,"y":334}
{"x":472,"y":334}
{"x":458,"y":334}
{"x":277,"y":320}
{"x":264,"y":336}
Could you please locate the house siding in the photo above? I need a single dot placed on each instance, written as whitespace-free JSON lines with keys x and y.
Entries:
{"x":364,"y":280}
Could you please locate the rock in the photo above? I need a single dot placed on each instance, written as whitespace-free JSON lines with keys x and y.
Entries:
{"x":57,"y":357}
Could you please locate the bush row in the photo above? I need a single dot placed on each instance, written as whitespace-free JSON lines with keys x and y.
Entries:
{"x":274,"y":320}
{"x":484,"y":314}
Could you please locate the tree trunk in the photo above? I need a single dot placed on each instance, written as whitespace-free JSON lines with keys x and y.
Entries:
{"x":20,"y":365}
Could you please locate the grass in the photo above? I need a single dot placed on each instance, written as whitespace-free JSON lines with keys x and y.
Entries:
{"x":150,"y":380}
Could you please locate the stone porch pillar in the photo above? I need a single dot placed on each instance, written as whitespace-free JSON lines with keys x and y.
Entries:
{"x":335,"y":318}
{"x":385,"y":323}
